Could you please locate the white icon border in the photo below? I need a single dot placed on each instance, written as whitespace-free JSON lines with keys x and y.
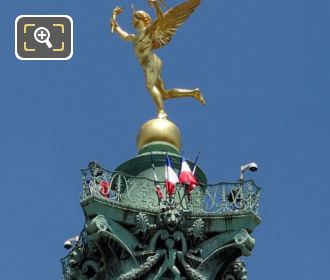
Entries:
{"x":47,"y":58}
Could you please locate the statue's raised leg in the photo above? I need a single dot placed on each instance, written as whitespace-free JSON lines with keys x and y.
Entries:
{"x":178,"y":93}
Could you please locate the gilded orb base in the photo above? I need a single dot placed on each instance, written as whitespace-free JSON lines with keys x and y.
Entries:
{"x":159,"y":130}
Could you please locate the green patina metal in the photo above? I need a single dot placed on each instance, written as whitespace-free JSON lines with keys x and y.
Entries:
{"x":159,"y":147}
{"x":130,"y":233}
{"x":141,"y":166}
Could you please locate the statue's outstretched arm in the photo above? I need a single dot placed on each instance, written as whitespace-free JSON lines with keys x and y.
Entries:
{"x":115,"y":27}
{"x":122,"y":34}
{"x":155,"y":4}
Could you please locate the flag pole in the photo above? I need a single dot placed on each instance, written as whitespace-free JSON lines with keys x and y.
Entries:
{"x":156,"y":182}
{"x":167,"y":161}
{"x":153,"y":165}
{"x":195,"y":163}
{"x":180,"y":165}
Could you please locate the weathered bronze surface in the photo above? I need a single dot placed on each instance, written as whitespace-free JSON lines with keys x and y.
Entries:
{"x":130,"y":233}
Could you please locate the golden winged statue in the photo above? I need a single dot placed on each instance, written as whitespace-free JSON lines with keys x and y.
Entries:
{"x":153,"y":35}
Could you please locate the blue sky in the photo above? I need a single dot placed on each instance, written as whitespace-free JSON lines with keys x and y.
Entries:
{"x":263,"y":67}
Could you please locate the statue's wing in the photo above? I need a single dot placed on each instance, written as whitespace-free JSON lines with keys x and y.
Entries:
{"x":164,"y":28}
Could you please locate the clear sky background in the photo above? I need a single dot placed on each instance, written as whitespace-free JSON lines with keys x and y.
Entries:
{"x":263,"y":67}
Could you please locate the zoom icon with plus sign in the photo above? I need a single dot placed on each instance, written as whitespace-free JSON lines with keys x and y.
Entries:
{"x":44,"y":37}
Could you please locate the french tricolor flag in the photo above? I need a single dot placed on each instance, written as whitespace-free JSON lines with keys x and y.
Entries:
{"x":159,"y":192}
{"x":104,"y":188}
{"x":171,"y":179}
{"x":187,"y":177}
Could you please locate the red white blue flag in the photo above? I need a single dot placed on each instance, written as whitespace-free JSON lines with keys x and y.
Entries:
{"x":158,"y":190}
{"x":187,"y":177}
{"x":171,"y":179}
{"x":104,"y":188}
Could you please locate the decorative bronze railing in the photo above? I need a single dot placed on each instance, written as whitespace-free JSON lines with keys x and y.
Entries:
{"x":120,"y":188}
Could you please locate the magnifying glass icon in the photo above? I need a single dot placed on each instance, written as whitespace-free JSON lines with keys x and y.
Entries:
{"x":42,"y":35}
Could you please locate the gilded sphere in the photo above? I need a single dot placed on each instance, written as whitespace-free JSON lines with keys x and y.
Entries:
{"x":159,"y":130}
